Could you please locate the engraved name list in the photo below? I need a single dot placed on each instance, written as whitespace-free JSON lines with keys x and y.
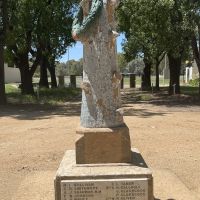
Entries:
{"x":110,"y":189}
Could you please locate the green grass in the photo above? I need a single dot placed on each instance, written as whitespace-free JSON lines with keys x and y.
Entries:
{"x":189,"y":90}
{"x":12,"y":89}
{"x":43,"y":96}
{"x":59,"y":96}
{"x":162,"y":82}
{"x":144,"y":97}
{"x":127,"y":80}
{"x":195,"y":82}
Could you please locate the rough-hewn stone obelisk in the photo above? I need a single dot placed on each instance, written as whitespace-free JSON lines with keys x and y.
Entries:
{"x":101,"y":77}
{"x":103,"y":133}
{"x":102,"y":167}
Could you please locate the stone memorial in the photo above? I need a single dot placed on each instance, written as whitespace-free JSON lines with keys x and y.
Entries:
{"x":103,"y":165}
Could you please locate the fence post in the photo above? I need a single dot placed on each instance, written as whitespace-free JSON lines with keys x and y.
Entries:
{"x":61,"y":81}
{"x":122,"y":82}
{"x":132,"y":81}
{"x":73,"y":81}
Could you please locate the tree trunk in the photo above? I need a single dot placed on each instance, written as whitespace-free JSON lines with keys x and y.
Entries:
{"x":43,"y":73}
{"x":2,"y":44}
{"x":26,"y":76}
{"x":146,"y":77}
{"x":2,"y":78}
{"x":52,"y":71}
{"x":132,"y":81}
{"x":27,"y":73}
{"x":199,"y":83}
{"x":174,"y":67}
{"x":35,"y":64}
{"x":26,"y":80}
{"x":157,"y":77}
{"x":196,"y":52}
{"x":122,"y":82}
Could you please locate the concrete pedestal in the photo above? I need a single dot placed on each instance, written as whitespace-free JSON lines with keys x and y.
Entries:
{"x":114,"y":181}
{"x":103,"y":145}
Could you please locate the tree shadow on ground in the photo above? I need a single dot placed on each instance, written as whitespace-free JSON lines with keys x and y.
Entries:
{"x":144,"y":113}
{"x":130,"y":96}
{"x":180,"y":100}
{"x":35,"y":112}
{"x":161,"y":98}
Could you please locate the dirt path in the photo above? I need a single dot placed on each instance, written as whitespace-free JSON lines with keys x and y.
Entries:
{"x":34,"y":139}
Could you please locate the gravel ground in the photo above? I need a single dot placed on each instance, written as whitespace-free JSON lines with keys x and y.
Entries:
{"x":34,"y":139}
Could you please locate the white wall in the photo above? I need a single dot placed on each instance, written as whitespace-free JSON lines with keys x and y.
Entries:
{"x":12,"y":75}
{"x":188,"y":74}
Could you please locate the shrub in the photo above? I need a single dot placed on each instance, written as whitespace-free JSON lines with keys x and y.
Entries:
{"x":195,"y":82}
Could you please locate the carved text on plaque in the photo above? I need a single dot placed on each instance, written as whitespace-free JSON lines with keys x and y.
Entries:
{"x":110,"y":189}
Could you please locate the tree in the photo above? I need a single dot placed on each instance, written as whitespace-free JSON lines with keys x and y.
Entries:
{"x":121,"y":61}
{"x":40,"y":31}
{"x":3,"y":12}
{"x":54,"y":34}
{"x":61,"y":69}
{"x":152,"y":33}
{"x":136,"y":66}
{"x":143,"y":33}
{"x":192,"y":10}
{"x":21,"y":24}
{"x":176,"y":35}
{"x":74,"y":67}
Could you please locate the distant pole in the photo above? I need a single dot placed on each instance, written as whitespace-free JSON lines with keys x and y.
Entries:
{"x":3,"y":16}
{"x":68,"y":66}
{"x":164,"y":69}
{"x":68,"y":54}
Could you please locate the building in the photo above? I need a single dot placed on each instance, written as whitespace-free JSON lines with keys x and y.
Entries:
{"x":191,"y":72}
{"x":12,"y":74}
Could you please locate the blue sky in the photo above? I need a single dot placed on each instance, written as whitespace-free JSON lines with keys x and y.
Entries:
{"x":76,"y":52}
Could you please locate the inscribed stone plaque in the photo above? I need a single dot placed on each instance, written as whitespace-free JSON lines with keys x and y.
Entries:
{"x":106,"y":189}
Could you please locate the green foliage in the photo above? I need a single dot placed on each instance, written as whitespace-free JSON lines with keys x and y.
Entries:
{"x":37,"y":24}
{"x":61,"y":69}
{"x":136,"y":66}
{"x":188,"y":90}
{"x":192,"y":17}
{"x":144,"y":97}
{"x":46,"y":96}
{"x":54,"y":25}
{"x":14,"y":95}
{"x":122,"y":63}
{"x":38,"y":33}
{"x":12,"y":89}
{"x":195,"y":82}
{"x":58,"y":95}
{"x":152,"y":27}
{"x":140,"y":22}
{"x":72,"y":67}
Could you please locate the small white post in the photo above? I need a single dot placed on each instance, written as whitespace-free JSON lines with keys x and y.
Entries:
{"x":186,"y":75}
{"x":174,"y":89}
{"x":38,"y":92}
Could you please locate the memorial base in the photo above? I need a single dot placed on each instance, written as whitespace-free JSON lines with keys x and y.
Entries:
{"x":114,"y":181}
{"x":103,"y":145}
